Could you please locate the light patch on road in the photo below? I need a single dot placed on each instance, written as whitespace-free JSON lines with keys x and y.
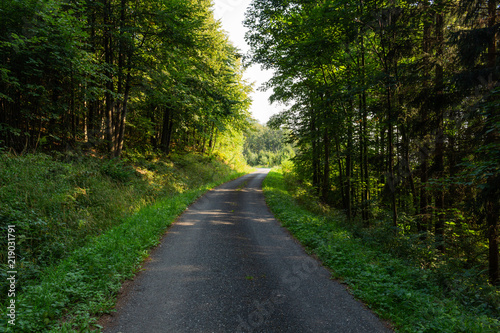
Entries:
{"x":185,"y":223}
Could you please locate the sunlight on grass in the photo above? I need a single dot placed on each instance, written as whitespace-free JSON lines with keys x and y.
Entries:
{"x":84,"y":227}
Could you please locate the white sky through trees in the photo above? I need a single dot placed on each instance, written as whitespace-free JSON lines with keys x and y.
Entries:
{"x":231,"y":13}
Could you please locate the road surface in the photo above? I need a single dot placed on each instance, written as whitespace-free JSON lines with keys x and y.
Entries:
{"x":227,"y":265}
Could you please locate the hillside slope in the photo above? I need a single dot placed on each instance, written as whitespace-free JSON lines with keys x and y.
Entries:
{"x":82,"y":225}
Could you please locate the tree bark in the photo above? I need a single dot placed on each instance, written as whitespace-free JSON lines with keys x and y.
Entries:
{"x":390,"y":156}
{"x":423,"y":220}
{"x":326,"y":166}
{"x":493,"y":181}
{"x":108,"y":58}
{"x":365,"y":177}
{"x":348,"y":167}
{"x":123,"y":117}
{"x":439,"y":140}
{"x":166,"y":133}
{"x":315,"y":154}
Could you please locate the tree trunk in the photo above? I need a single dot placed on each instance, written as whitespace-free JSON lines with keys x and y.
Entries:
{"x":341,"y":174}
{"x":166,"y":132}
{"x":315,"y":154}
{"x":492,"y":55}
{"x":492,"y":203}
{"x":365,"y":177}
{"x":423,"y":220}
{"x":439,"y":140}
{"x":108,"y":58}
{"x":210,"y":142}
{"x":326,"y":166}
{"x":493,"y":182}
{"x":390,"y":156}
{"x":123,"y":118}
{"x":348,"y":168}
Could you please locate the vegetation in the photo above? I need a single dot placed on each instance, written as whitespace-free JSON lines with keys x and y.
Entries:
{"x":117,"y":74}
{"x":265,"y":146}
{"x":114,"y":115}
{"x":394,"y":116}
{"x":85,"y":225}
{"x":404,"y":281}
{"x":394,"y":109}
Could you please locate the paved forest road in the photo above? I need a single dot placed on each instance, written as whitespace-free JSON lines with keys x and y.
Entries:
{"x":226,"y":265}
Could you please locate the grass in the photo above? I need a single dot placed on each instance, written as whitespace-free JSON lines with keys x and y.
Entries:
{"x":85,"y":226}
{"x":408,"y":296}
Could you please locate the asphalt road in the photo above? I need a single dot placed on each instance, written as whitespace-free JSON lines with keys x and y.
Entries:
{"x":227,"y":265}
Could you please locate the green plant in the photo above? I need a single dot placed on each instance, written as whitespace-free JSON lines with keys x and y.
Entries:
{"x":81,"y":232}
{"x":413,"y":298}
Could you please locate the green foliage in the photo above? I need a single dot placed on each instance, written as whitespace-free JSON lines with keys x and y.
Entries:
{"x":86,"y":282}
{"x":265,"y":146}
{"x":62,"y":211}
{"x":229,"y":148}
{"x":393,"y":284}
{"x":385,"y":101}
{"x":114,"y":74}
{"x":117,"y":170}
{"x":43,"y":56}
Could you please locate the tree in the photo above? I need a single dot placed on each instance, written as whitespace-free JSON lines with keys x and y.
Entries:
{"x":107,"y":73}
{"x":266,"y":146}
{"x":383,"y":108}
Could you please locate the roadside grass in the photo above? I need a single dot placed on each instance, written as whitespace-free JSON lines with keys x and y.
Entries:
{"x":102,"y":216}
{"x":397,"y":290}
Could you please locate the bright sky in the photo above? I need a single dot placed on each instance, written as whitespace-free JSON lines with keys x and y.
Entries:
{"x":231,"y":13}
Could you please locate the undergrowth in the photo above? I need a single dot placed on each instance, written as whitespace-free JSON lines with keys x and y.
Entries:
{"x":413,"y":298}
{"x":83,"y":225}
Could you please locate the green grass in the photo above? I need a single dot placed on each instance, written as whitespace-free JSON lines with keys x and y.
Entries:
{"x":127,"y":207}
{"x":398,"y":291}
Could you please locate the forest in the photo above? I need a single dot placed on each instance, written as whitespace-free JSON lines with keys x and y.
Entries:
{"x":394,"y":109}
{"x":112,"y":75}
{"x":114,"y":115}
{"x":266,"y":146}
{"x":116,"y":112}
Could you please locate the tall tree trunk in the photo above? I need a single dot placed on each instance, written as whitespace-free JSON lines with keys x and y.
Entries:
{"x":492,"y":14}
{"x":492,"y":204}
{"x":326,"y":166}
{"x":348,"y":168}
{"x":390,"y":156}
{"x":166,"y":133}
{"x":315,"y":154}
{"x":365,"y":168}
{"x":108,"y":58}
{"x":341,"y":173}
{"x":91,"y":119}
{"x":210,"y":142}
{"x":408,"y":172}
{"x":439,"y":140}
{"x":362,"y":180}
{"x":123,"y":118}
{"x":493,"y":181}
{"x":124,"y":63}
{"x":365,"y":177}
{"x":423,"y":220}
